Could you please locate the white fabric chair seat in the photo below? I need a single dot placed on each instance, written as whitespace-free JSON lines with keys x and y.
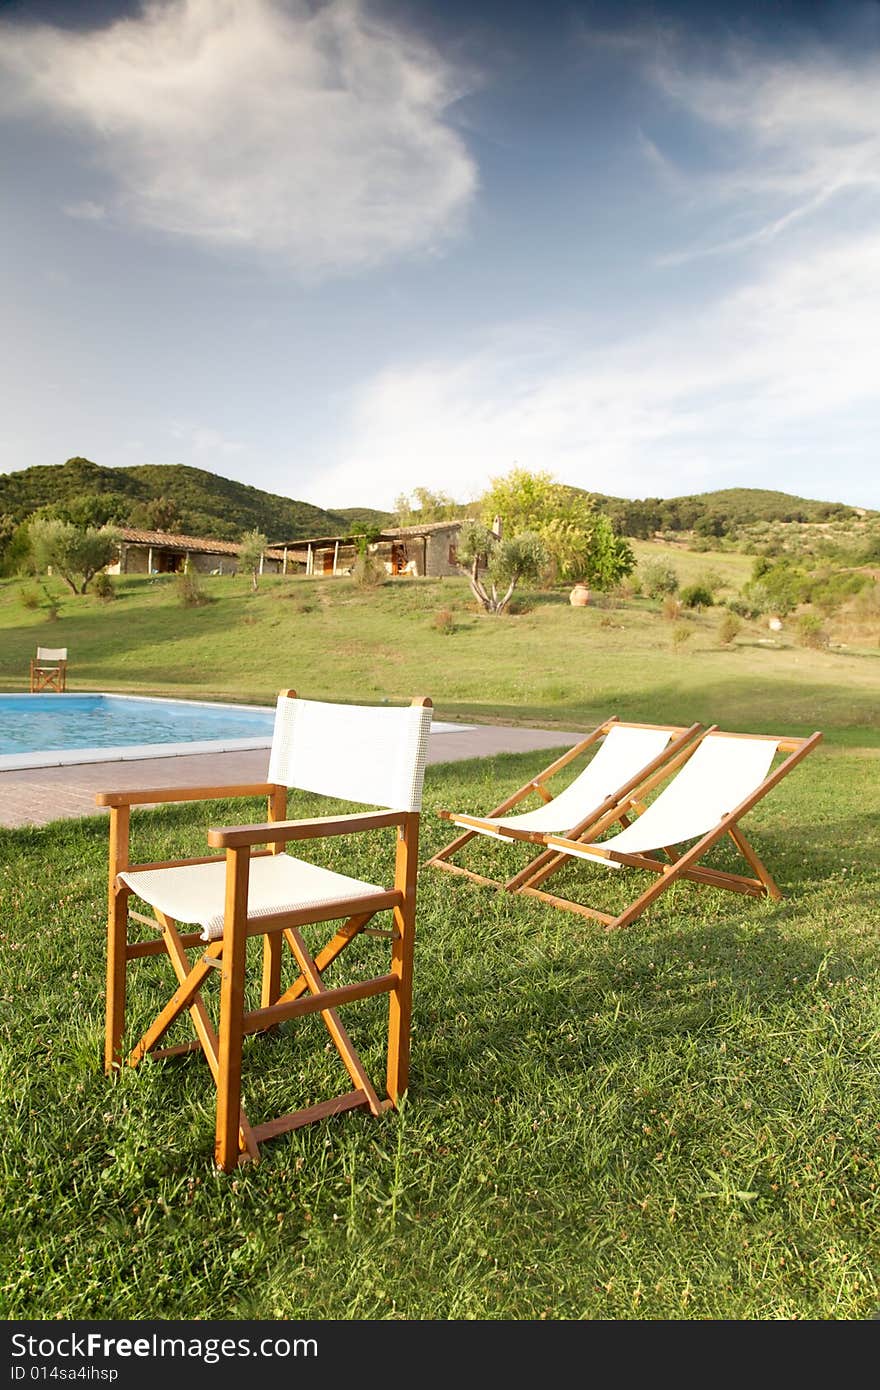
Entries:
{"x":195,"y":893}
{"x":622,"y":754}
{"x":719,"y":776}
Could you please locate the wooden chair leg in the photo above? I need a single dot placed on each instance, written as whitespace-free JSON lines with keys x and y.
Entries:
{"x":227,"y":1135}
{"x":117,"y":938}
{"x":271,"y":985}
{"x":400,"y":998}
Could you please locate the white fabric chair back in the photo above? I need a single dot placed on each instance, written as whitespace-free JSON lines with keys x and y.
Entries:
{"x":715,"y":780}
{"x":354,"y":752}
{"x":51,"y":653}
{"x":621,"y":755}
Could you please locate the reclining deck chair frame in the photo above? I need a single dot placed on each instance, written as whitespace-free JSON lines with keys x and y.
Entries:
{"x":591,"y":805}
{"x":227,"y":939}
{"x":49,"y":669}
{"x":677,"y":865}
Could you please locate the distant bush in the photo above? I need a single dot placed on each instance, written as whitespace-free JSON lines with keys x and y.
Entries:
{"x":671,"y":608}
{"x":810,"y":631}
{"x":190,"y":593}
{"x":29,"y":597}
{"x":729,"y":627}
{"x":102,"y":587}
{"x":740,"y":607}
{"x":444,"y":620}
{"x":697,"y":596}
{"x":681,"y":634}
{"x":657,"y":578}
{"x":367,"y":571}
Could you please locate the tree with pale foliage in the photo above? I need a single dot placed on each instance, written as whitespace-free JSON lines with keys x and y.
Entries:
{"x":580,"y":541}
{"x":252,"y":547}
{"x":422,"y":505}
{"x":494,"y":567}
{"x":75,"y":553}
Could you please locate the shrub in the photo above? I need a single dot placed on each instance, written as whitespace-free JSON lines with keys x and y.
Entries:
{"x":728,"y":628}
{"x":444,"y":620}
{"x":367,"y":571}
{"x":190,"y":592}
{"x":657,"y":578}
{"x":697,"y":596}
{"x":102,"y":587}
{"x":810,"y":631}
{"x":740,"y":607}
{"x":671,"y":608}
{"x":681,"y":633}
{"x":29,"y":597}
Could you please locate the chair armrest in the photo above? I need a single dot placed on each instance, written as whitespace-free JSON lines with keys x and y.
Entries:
{"x":280,"y":831}
{"x":156,"y":795}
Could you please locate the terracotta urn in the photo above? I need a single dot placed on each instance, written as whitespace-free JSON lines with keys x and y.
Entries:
{"x":579,"y":596}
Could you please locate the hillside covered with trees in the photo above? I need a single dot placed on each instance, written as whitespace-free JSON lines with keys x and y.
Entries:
{"x":168,"y":497}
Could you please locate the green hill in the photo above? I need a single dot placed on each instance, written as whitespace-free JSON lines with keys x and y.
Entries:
{"x":174,"y":497}
{"x":717,"y":513}
{"x":198,"y":502}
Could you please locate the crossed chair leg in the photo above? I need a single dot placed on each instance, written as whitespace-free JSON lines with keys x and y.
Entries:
{"x":236,"y":1138}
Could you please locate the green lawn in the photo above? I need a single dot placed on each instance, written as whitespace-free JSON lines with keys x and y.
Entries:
{"x":551,"y":664}
{"x":676,"y":1121}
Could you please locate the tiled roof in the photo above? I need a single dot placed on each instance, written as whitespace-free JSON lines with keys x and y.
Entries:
{"x":389,"y":533}
{"x":202,"y":545}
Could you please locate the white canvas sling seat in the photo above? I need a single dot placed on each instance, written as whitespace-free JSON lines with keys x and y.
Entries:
{"x":278,"y":883}
{"x":713,"y":782}
{"x":372,"y":756}
{"x":719,"y":778}
{"x":624,"y":751}
{"x":621,"y":756}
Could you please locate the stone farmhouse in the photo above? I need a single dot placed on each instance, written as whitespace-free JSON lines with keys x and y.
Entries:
{"x":161,"y":552}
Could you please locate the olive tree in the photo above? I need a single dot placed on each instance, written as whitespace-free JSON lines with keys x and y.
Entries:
{"x":75,"y":553}
{"x":580,"y":541}
{"x":494,"y":567}
{"x":250,"y":554}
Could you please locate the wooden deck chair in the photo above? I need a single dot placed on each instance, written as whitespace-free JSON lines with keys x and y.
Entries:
{"x":49,"y":669}
{"x":720,"y":777}
{"x":368,"y":755}
{"x":627,"y":753}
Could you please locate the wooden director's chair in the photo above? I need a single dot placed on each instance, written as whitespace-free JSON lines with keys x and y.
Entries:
{"x":374,"y":756}
{"x":49,"y":669}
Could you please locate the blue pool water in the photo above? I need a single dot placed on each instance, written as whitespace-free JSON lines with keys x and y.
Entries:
{"x":33,"y":728}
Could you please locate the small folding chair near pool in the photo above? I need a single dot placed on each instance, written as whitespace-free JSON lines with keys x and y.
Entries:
{"x":627,"y":753}
{"x":49,"y":669}
{"x":371,"y":756}
{"x":721,"y":777}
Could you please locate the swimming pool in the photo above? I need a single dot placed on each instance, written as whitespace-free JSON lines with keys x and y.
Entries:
{"x":52,"y":730}
{"x":60,"y":729}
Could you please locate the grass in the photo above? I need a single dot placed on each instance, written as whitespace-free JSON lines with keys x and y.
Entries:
{"x":548,"y":664}
{"x":677,"y":1121}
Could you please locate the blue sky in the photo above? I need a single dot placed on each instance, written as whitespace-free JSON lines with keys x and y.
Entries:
{"x":340,"y":250}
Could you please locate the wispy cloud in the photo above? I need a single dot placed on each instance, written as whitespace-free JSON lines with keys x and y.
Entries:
{"x":310,"y":133}
{"x":85,"y":211}
{"x":776,"y":371}
{"x":785,"y":137}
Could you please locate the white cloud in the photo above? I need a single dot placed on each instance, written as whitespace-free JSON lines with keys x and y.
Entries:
{"x":787,"y":136}
{"x":85,"y":211}
{"x":763,"y":375}
{"x":310,"y":133}
{"x":767,"y":382}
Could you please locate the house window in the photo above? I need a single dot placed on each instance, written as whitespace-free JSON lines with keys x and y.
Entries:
{"x":453,"y":554}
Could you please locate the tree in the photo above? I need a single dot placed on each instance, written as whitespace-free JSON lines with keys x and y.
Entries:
{"x":158,"y":514}
{"x":508,"y":562}
{"x":423,"y":505}
{"x":250,"y":554}
{"x":580,"y":541}
{"x":76,"y":553}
